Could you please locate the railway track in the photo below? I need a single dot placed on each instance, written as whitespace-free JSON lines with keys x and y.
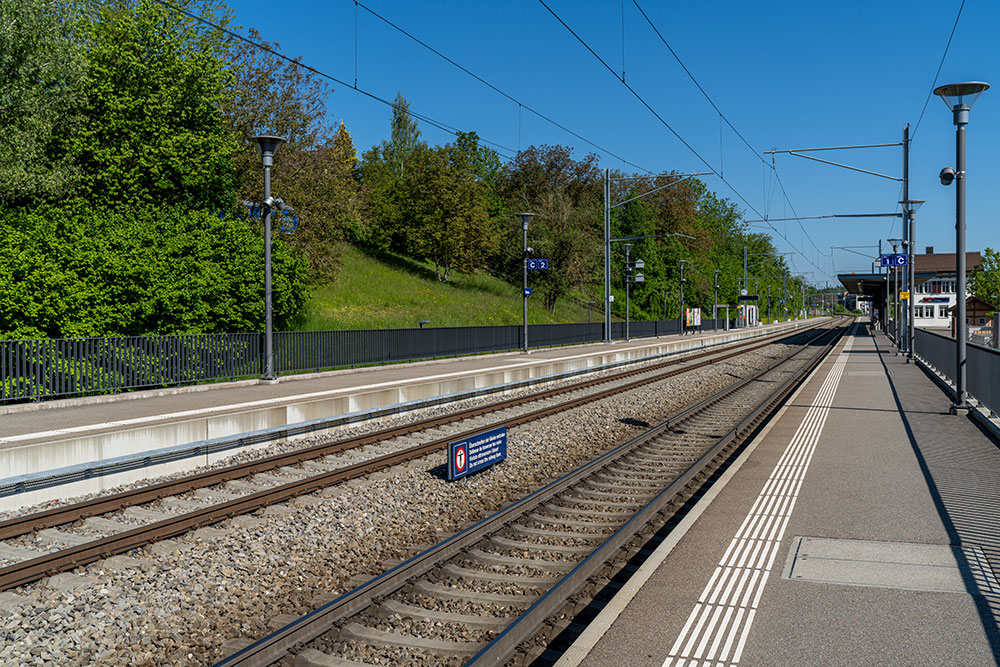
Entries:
{"x":481,"y":596}
{"x":80,"y":534}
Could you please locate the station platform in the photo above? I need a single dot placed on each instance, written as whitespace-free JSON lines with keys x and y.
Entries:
{"x":187,"y":427}
{"x":861,"y":527}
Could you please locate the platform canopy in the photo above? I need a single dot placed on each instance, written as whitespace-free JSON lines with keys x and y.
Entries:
{"x":872,"y":285}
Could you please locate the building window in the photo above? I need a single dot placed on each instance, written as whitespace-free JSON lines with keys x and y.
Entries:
{"x":982,"y":321}
{"x":942,"y":311}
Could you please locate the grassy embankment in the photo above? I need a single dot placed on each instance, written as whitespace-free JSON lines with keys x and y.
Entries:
{"x":390,"y":291}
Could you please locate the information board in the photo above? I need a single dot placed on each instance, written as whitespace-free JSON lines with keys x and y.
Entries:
{"x":476,"y":453}
{"x":692,"y":317}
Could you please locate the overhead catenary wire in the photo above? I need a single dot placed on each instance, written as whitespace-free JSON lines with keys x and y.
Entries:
{"x":930,"y":92}
{"x":725,"y":119}
{"x":441,"y":125}
{"x":500,"y":91}
{"x":649,"y":107}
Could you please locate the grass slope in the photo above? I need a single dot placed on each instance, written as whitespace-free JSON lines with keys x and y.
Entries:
{"x":385,"y":291}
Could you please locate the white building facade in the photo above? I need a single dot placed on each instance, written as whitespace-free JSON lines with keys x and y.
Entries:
{"x":933,"y":298}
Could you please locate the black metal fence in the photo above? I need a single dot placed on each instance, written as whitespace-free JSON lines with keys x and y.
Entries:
{"x":982,"y":363}
{"x":47,"y":368}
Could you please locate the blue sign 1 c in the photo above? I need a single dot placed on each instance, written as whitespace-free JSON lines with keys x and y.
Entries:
{"x":893,"y":259}
{"x":476,"y":453}
{"x":538,"y":264}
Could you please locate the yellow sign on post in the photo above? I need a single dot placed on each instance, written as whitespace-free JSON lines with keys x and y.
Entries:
{"x":904,"y":295}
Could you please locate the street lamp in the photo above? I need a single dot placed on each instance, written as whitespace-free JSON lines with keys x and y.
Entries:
{"x":683,"y":280}
{"x":715,"y":299}
{"x":895,"y":288}
{"x":630,"y":266}
{"x":910,"y":207}
{"x":268,"y":145}
{"x":959,"y":97}
{"x":525,"y":218}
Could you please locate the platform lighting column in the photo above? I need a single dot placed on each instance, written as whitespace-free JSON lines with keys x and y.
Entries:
{"x":715,"y":299}
{"x":910,"y":207}
{"x":607,"y":255}
{"x":267,"y":145}
{"x":628,"y":282}
{"x":895,"y":286}
{"x":784,"y":299}
{"x":525,"y":218}
{"x":683,"y":323}
{"x":960,"y":97}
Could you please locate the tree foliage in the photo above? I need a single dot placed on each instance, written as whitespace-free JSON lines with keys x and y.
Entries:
{"x":42,"y":67}
{"x":449,"y":216}
{"x":94,"y":272}
{"x":153,"y":130}
{"x":984,"y":282}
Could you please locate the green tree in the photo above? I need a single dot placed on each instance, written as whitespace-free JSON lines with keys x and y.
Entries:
{"x":42,"y":67}
{"x":153,"y":132}
{"x":314,"y":170}
{"x":447,"y":207}
{"x":404,"y":138}
{"x":383,"y":169}
{"x":984,"y":282}
{"x":565,"y":196}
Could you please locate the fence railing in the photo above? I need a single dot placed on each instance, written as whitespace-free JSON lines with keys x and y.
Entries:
{"x":47,"y":368}
{"x":982,"y":363}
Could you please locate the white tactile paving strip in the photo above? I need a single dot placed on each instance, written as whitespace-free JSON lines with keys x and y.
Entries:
{"x":717,"y":628}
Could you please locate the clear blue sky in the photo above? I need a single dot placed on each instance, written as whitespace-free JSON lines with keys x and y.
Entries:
{"x":787,"y":74}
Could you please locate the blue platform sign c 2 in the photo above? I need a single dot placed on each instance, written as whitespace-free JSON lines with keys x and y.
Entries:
{"x":538,"y":264}
{"x":476,"y":453}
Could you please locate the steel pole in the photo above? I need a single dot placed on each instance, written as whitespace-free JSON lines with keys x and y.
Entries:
{"x":524,"y":271}
{"x":683,"y":323}
{"x":628,"y":274}
{"x":607,"y":255}
{"x":715,"y":301}
{"x":268,"y":326}
{"x":961,"y":406}
{"x":904,"y":312}
{"x":912,"y":215}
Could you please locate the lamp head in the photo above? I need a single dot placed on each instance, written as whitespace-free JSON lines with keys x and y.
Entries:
{"x":525,"y":219}
{"x":267,"y":145}
{"x":947,"y":175}
{"x":961,"y":94}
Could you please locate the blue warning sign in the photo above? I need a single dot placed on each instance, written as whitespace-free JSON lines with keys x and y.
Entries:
{"x":476,"y":453}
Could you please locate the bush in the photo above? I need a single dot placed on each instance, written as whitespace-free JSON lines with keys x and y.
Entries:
{"x":79,"y":272}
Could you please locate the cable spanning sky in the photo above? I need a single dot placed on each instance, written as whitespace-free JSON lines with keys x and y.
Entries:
{"x":691,"y":87}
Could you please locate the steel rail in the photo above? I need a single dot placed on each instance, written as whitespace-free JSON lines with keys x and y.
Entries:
{"x":28,"y":523}
{"x":27,"y":571}
{"x":275,"y":646}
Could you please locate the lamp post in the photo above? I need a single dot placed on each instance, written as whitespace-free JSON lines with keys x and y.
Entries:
{"x":895,"y":288}
{"x":959,"y":97}
{"x":683,"y":322}
{"x":910,"y":207}
{"x":630,"y":266}
{"x":268,"y":145}
{"x":589,"y":304}
{"x":715,"y":299}
{"x":525,"y":217}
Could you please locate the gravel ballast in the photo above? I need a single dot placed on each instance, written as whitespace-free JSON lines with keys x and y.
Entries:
{"x":179,"y":602}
